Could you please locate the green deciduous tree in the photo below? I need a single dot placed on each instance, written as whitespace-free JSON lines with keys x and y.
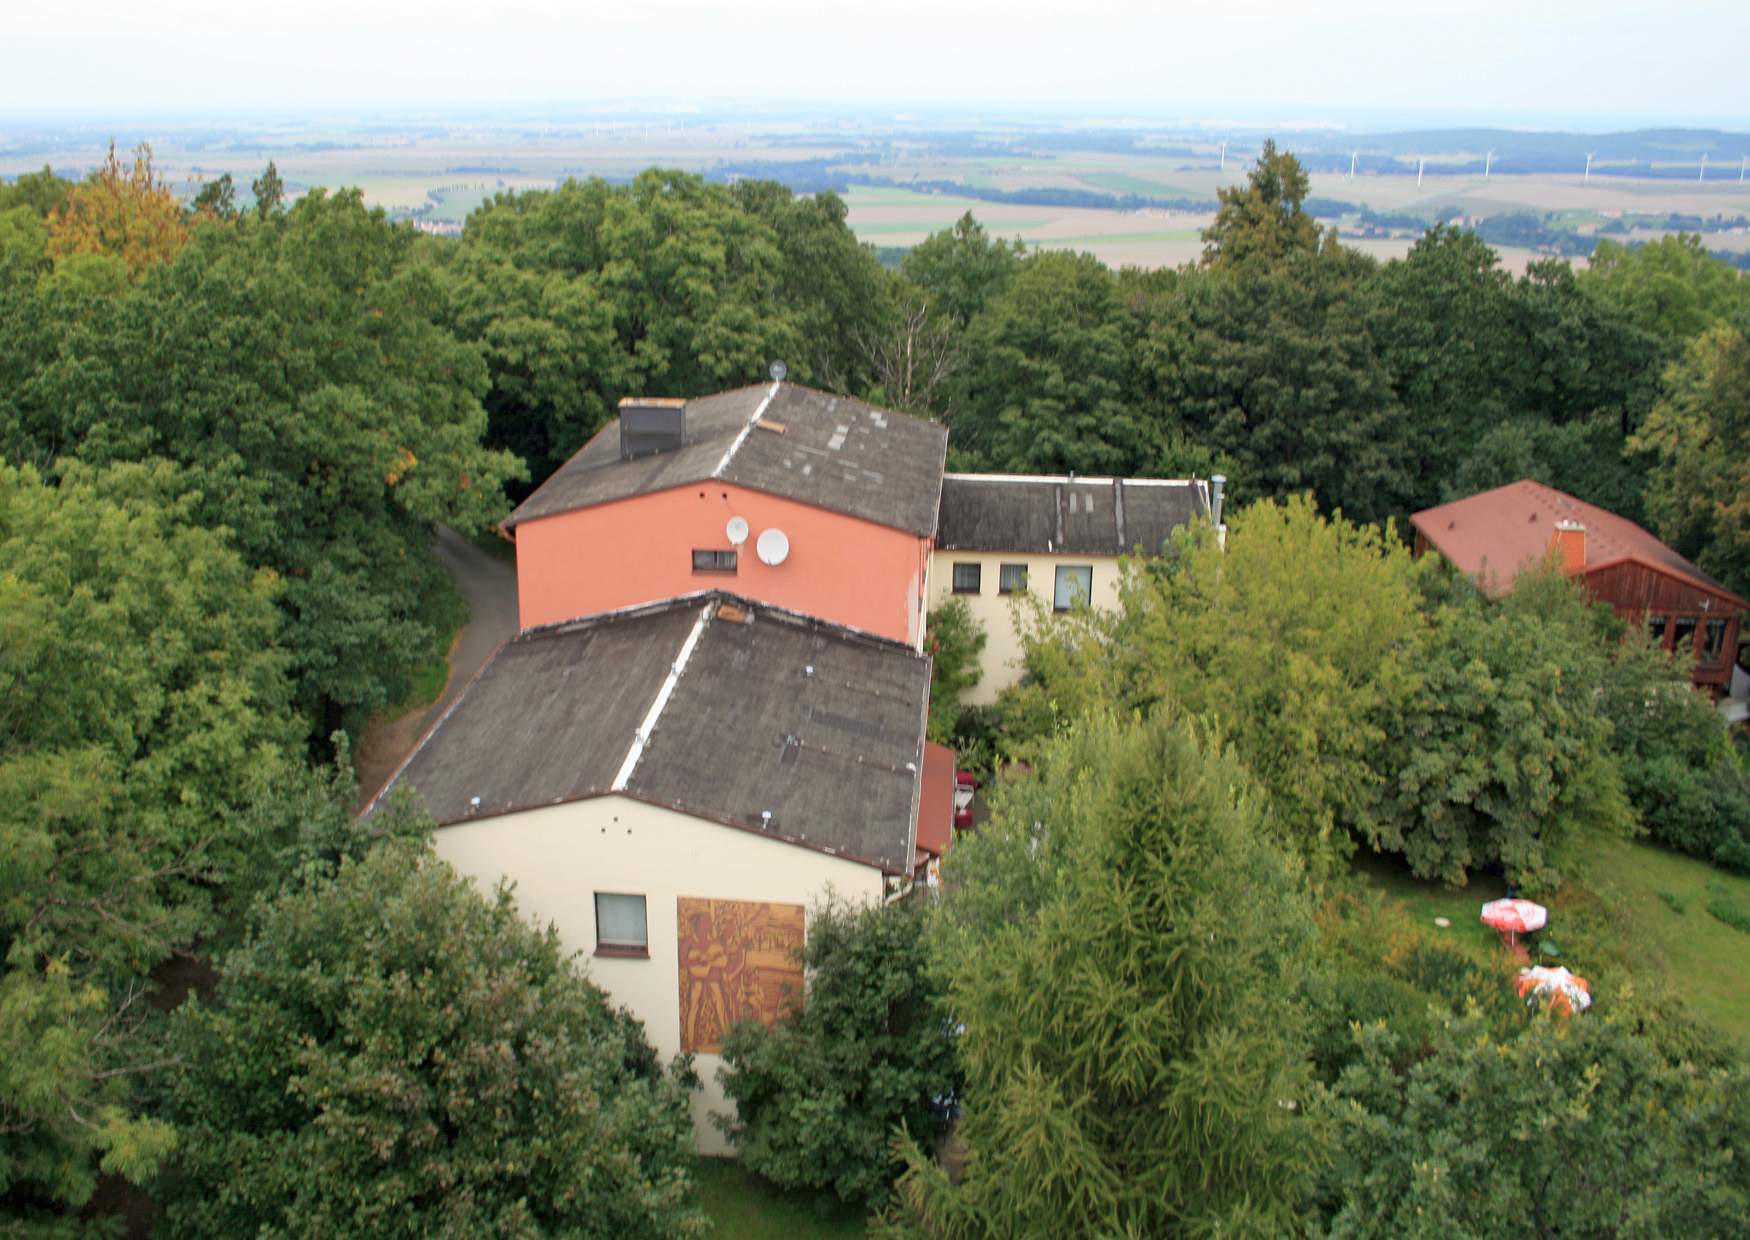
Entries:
{"x":1123,"y":945}
{"x":1503,"y":756}
{"x":298,"y":373}
{"x":961,"y":269}
{"x":1300,"y":642}
{"x":1585,"y":459}
{"x":1585,"y":1127}
{"x":1683,"y":775}
{"x":867,"y":1053}
{"x":1277,"y":369}
{"x":1044,"y":384}
{"x":828,"y":281}
{"x":1698,"y":492}
{"x":43,"y":192}
{"x":668,"y":287}
{"x":144,"y":721}
{"x":955,"y":641}
{"x":1671,"y":287}
{"x":390,"y":1054}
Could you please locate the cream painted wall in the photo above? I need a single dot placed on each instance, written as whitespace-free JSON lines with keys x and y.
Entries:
{"x":561,"y":855}
{"x":1002,"y":647}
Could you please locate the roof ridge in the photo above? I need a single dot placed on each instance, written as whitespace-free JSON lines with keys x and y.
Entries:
{"x":747,"y":429}
{"x":641,"y":737}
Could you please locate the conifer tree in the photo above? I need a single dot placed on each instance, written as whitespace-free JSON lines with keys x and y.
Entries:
{"x":1123,"y":943}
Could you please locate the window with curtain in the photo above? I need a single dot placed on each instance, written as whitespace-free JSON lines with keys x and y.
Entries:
{"x":1075,"y":586}
{"x":620,"y":927}
{"x":1011,"y":579}
{"x":968,"y":578}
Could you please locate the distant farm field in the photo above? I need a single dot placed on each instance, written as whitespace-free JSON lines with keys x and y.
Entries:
{"x":438,"y":172}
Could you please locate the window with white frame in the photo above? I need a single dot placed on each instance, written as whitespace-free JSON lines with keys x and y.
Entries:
{"x":621,"y":928}
{"x":1075,"y":586}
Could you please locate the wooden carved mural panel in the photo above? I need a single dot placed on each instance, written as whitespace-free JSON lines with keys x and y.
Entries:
{"x":737,"y":959}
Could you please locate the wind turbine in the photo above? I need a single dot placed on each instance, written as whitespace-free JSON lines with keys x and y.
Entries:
{"x":1224,"y":157}
{"x":1702,"y":175}
{"x":1354,"y":155}
{"x":1420,"y":164}
{"x":1742,"y":159}
{"x":1487,"y":160}
{"x":1587,"y":179}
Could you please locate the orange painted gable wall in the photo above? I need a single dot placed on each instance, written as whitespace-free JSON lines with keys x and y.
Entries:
{"x":639,"y":550}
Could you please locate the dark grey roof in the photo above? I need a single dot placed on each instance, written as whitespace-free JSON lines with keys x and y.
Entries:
{"x":829,"y":451}
{"x":1062,"y":515}
{"x":558,"y":714}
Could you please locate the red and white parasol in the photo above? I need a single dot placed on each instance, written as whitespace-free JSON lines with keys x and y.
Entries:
{"x":1514,"y":917}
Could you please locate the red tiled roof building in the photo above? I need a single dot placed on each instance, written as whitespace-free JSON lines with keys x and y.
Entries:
{"x":1494,"y":536}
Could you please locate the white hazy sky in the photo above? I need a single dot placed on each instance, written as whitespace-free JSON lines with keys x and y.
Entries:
{"x":1364,"y":61}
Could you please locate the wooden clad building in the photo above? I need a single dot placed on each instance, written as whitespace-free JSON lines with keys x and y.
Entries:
{"x":1496,"y":535}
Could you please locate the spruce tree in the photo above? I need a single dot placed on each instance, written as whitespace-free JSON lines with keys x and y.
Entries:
{"x":1123,"y":944}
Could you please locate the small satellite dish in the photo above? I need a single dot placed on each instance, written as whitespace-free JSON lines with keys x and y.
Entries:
{"x":773,"y":547}
{"x":737,"y":531}
{"x":778,"y":371}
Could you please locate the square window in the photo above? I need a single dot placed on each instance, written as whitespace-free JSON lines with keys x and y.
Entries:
{"x":1656,"y":626}
{"x":1713,"y":640}
{"x":968,"y":578}
{"x":1075,"y":586}
{"x":714,"y":561}
{"x":620,"y":927}
{"x":1012,"y":579}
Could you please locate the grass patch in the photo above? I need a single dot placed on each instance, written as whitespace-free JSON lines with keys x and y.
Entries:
{"x":744,"y":1206}
{"x":1721,"y":904}
{"x":1701,"y":958}
{"x":1426,"y":901}
{"x":1623,"y":913}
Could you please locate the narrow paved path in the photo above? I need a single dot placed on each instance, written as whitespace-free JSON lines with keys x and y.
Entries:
{"x":489,"y":585}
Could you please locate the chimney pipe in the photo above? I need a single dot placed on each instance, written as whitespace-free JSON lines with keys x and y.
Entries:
{"x":1569,"y":540}
{"x":1217,"y":485}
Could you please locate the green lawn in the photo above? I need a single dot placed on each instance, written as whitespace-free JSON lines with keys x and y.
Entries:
{"x":743,"y":1206}
{"x":1653,"y":905}
{"x":1662,"y":900}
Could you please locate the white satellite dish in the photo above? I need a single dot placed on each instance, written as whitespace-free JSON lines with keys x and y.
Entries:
{"x":773,"y":547}
{"x":737,"y":531}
